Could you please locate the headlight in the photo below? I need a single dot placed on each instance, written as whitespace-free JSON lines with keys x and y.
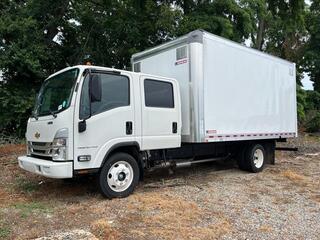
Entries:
{"x":60,"y":146}
{"x":59,"y":142}
{"x":59,"y":149}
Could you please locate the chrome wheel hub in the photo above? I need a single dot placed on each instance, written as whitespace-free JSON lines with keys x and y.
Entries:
{"x":120,"y":176}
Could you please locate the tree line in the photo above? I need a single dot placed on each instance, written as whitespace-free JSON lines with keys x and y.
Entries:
{"x":39,"y":37}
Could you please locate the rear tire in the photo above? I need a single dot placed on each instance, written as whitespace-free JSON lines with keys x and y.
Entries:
{"x":118,"y":176}
{"x":255,"y":158}
{"x":241,"y":158}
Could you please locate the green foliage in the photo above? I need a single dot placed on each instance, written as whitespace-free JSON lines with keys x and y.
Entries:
{"x":311,"y":120}
{"x":4,"y":232}
{"x":27,"y":56}
{"x":312,"y":100}
{"x":313,"y":123}
{"x":309,"y":109}
{"x":279,"y":28}
{"x":124,"y":28}
{"x":301,"y":103}
{"x":26,"y":209}
{"x":222,"y":17}
{"x":312,"y":54}
{"x":26,"y":185}
{"x":260,"y":16}
{"x":16,"y":105}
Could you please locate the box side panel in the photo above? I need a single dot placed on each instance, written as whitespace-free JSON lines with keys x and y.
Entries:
{"x":246,"y":95}
{"x":165,"y":64}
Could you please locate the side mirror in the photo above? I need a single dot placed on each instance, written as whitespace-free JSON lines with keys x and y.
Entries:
{"x":82,"y":126}
{"x":95,"y":88}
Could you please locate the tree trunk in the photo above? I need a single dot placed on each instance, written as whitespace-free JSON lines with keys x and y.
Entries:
{"x":316,"y":80}
{"x":260,"y":34}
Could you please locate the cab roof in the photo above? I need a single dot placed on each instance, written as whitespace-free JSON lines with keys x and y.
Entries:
{"x":83,"y":67}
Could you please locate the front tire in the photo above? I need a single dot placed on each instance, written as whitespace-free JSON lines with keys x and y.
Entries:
{"x":118,"y":176}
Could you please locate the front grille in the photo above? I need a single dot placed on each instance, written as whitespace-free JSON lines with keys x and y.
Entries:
{"x":41,"y":157}
{"x":41,"y":149}
{"x":39,"y":143}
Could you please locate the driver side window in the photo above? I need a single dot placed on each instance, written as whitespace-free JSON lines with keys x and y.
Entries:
{"x":115,"y":93}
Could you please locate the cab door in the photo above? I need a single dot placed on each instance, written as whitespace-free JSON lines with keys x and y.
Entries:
{"x":160,"y":107}
{"x":111,"y":121}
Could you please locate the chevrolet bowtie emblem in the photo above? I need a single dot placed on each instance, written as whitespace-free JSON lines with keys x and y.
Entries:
{"x":37,"y":135}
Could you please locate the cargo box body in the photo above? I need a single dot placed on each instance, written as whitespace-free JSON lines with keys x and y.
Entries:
{"x":229,"y":92}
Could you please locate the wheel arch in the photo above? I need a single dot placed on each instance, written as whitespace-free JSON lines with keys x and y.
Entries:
{"x":132,"y":148}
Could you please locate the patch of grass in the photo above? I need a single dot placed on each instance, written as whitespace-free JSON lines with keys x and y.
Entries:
{"x":4,"y":232}
{"x":8,"y":149}
{"x":103,"y":230}
{"x":30,"y":207}
{"x":312,"y":137}
{"x":282,"y":200}
{"x":265,"y":228}
{"x":167,"y":216}
{"x":293,"y":176}
{"x":26,"y":185}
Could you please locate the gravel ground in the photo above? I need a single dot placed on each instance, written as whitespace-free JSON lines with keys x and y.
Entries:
{"x":208,"y":201}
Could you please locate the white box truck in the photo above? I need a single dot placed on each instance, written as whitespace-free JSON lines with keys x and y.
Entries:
{"x":195,"y":99}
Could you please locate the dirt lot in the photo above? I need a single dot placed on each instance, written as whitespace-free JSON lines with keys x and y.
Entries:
{"x":210,"y":201}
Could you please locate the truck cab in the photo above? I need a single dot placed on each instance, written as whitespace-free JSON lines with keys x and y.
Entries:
{"x":90,"y":119}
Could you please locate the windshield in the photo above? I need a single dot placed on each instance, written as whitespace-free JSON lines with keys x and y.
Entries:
{"x":55,"y":93}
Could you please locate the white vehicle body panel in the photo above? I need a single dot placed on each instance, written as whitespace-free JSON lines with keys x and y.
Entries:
{"x":158,"y":64}
{"x":233,"y":92}
{"x":47,"y":127}
{"x":107,"y":129}
{"x":246,"y":93}
{"x":46,"y":168}
{"x":157,"y":122}
{"x":104,"y":130}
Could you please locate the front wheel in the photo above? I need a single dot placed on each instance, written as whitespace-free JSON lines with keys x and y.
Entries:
{"x":118,"y":176}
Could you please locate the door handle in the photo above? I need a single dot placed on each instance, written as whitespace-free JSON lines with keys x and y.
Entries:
{"x":174,"y":127}
{"x":128,"y":128}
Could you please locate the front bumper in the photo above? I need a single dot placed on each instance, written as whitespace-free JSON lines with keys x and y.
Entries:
{"x":46,"y":168}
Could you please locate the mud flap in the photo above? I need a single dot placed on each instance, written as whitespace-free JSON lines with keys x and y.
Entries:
{"x":270,"y":152}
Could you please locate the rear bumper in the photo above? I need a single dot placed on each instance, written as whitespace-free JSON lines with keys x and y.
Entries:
{"x":46,"y":168}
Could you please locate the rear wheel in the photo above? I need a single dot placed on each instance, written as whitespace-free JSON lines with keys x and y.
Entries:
{"x":255,"y":158}
{"x":119,"y":176}
{"x":241,"y":158}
